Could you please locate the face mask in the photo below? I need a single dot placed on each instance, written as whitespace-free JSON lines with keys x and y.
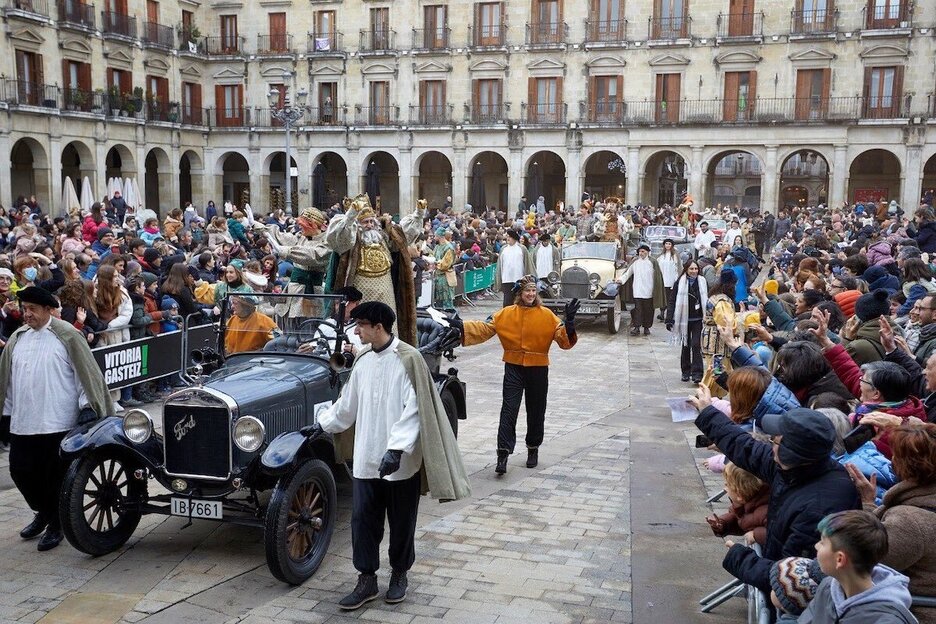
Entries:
{"x":30,"y":273}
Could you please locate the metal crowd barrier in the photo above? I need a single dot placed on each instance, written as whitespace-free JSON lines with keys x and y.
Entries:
{"x":759,"y":608}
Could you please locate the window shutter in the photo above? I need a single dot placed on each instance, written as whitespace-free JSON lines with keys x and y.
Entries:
{"x":39,"y":74}
{"x":422,"y":94}
{"x":866,"y":89}
{"x":826,"y":87}
{"x":898,"y":109}
{"x":675,"y":88}
{"x":731,"y":96}
{"x":476,"y":95}
{"x":619,"y":95}
{"x":219,"y":105}
{"x":196,"y":97}
{"x":84,"y":76}
{"x":239,"y":98}
{"x":110,"y":78}
{"x":559,"y":98}
{"x":593,"y":95}
{"x":65,"y":74}
{"x":752,"y":93}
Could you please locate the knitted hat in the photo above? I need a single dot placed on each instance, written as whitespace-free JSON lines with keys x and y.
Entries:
{"x":872,"y":305}
{"x":150,"y":255}
{"x":727,"y":276}
{"x":771,"y":287}
{"x":167,"y":303}
{"x":148,"y":278}
{"x":794,"y":580}
{"x":102,"y":232}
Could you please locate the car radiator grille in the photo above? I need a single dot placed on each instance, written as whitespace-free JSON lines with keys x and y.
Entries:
{"x":575,"y":283}
{"x":198,"y":441}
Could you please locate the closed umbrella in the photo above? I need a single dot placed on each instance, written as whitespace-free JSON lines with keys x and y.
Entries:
{"x":87,"y":196}
{"x":318,"y":185}
{"x":372,"y":182}
{"x":70,"y":203}
{"x":137,"y":198}
{"x":127,"y":191}
{"x":114,"y":185}
{"x":478,"y":200}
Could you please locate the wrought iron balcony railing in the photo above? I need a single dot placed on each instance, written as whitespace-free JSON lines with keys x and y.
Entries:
{"x":236,"y":117}
{"x":669,"y":28}
{"x":118,"y":24}
{"x":157,"y":35}
{"x":376,"y":115}
{"x":605,"y":31}
{"x":82,"y":100}
{"x":895,"y":15}
{"x":195,"y":116}
{"x":74,"y":13}
{"x":325,"y":43}
{"x":431,"y":115}
{"x":31,"y":7}
{"x":740,"y":25}
{"x":487,"y":35}
{"x":325,"y":115}
{"x":28,"y":93}
{"x":813,"y":22}
{"x":224,"y":46}
{"x":546,"y":33}
{"x":432,"y":38}
{"x":487,"y":114}
{"x":377,"y":40}
{"x":551,"y":114}
{"x":280,"y":43}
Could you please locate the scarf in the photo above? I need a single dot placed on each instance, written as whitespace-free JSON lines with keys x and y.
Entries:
{"x":681,"y":313}
{"x":151,"y":230}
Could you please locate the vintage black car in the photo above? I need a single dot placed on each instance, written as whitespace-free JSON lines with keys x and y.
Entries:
{"x":234,"y":445}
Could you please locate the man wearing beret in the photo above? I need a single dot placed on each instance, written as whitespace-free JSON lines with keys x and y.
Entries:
{"x":49,"y":382}
{"x":643,"y":286}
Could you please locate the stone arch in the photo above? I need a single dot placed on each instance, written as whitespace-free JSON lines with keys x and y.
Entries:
{"x":29,"y":171}
{"x":666,"y":177}
{"x":157,"y":174}
{"x":387,"y":177}
{"x":77,"y":161}
{"x":119,"y":162}
{"x":489,"y":180}
{"x":234,"y":172}
{"x":605,"y":174}
{"x":221,"y":162}
{"x":434,"y":177}
{"x":874,"y":175}
{"x":804,"y":169}
{"x":545,"y":174}
{"x":334,"y":179}
{"x":739,"y":168}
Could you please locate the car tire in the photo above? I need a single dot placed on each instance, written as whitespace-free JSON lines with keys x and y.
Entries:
{"x":451,"y":410}
{"x":300,"y":520}
{"x":614,"y":316}
{"x":90,"y":503}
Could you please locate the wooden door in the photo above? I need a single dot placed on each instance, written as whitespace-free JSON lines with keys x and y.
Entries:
{"x":325,"y":31}
{"x":435,"y":21}
{"x":668,"y":87}
{"x":277,"y":32}
{"x":883,"y":91}
{"x":229,"y":39}
{"x":380,"y":102}
{"x":812,"y":94}
{"x":741,"y":18}
{"x":380,"y":28}
{"x":152,"y":11}
{"x":739,"y":98}
{"x":489,"y":21}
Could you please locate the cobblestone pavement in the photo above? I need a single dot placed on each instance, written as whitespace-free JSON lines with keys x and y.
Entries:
{"x":553,"y":544}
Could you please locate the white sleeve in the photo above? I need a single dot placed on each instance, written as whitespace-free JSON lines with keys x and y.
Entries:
{"x":343,"y":412}
{"x":404,"y":434}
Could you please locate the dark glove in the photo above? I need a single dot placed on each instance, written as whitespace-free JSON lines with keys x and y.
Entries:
{"x":669,"y":327}
{"x":570,"y":310}
{"x":390,"y":463}
{"x":312,"y":431}
{"x":86,"y":416}
{"x":458,"y":324}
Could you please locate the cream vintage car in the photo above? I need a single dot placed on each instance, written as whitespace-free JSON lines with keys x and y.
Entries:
{"x":587,"y":273}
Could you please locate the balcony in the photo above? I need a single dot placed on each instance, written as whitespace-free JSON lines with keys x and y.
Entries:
{"x":83,"y":100}
{"x":740,"y":27}
{"x":487,"y":114}
{"x":326,"y":116}
{"x":118,"y":25}
{"x":552,"y":114}
{"x":886,"y":107}
{"x":887,"y":20}
{"x":376,"y":115}
{"x":326,"y":44}
{"x":222,"y":117}
{"x":429,"y":115}
{"x":279,"y":44}
{"x":224,"y":46}
{"x":190,"y":41}
{"x":263,"y":118}
{"x":195,"y":116}
{"x":377,"y":41}
{"x":431,"y":39}
{"x":813,"y":23}
{"x":487,"y":36}
{"x":73,"y":14}
{"x":158,"y":36}
{"x":605,"y":34}
{"x":602,"y":113}
{"x":27,"y":93}
{"x":669,"y":29}
{"x":541,"y":35}
{"x":27,"y":9}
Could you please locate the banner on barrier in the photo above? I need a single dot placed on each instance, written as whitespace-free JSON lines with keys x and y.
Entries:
{"x":479,"y":279}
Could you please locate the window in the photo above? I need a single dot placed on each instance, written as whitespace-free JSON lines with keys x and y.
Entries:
{"x":432,"y":102}
{"x":488,"y":100}
{"x":547,"y":15}
{"x":886,"y":13}
{"x":76,"y":77}
{"x":812,"y":93}
{"x":605,"y":98}
{"x":230,"y":44}
{"x":187,"y":22}
{"x":607,"y":21}
{"x":191,"y":103}
{"x":229,"y":104}
{"x":29,"y":77}
{"x":740,"y":89}
{"x":157,"y":97}
{"x":813,"y":16}
{"x":435,"y":21}
{"x":883,"y":92}
{"x":741,"y":18}
{"x":668,"y":87}
{"x":545,"y":105}
{"x":489,"y":21}
{"x":277,"y":41}
{"x":325,"y":31}
{"x":327,"y":101}
{"x":380,"y":28}
{"x":670,"y":19}
{"x":379,"y":103}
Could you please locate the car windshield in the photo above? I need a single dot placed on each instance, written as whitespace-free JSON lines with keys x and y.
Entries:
{"x":717,"y":224}
{"x":605,"y":251}
{"x":282,"y":323}
{"x":662,"y":232}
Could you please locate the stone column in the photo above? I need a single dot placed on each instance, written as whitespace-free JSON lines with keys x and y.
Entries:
{"x":911,"y":180}
{"x":575,"y":180}
{"x":175,"y":199}
{"x":304,"y":179}
{"x":516,"y":181}
{"x":461,"y":173}
{"x":6,"y":179}
{"x":100,"y":157}
{"x":838,"y":184}
{"x":769,"y":181}
{"x":354,"y":181}
{"x":696,"y":178}
{"x":409,"y":183}
{"x":259,"y":182}
{"x":634,"y":176}
{"x":55,"y":183}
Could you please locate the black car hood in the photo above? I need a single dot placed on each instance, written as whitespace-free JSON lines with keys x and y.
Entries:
{"x":253,"y":379}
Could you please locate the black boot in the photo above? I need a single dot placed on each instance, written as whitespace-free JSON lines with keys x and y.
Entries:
{"x":50,"y":539}
{"x":397,"y":590}
{"x":34,"y":528}
{"x":501,"y":467}
{"x":532,"y":457}
{"x":365,"y":591}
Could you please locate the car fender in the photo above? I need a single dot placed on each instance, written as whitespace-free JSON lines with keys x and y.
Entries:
{"x":451,"y":382}
{"x":108,"y":434}
{"x":287,"y":448}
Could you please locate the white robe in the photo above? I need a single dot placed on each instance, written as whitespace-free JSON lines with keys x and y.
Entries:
{"x":641,"y":270}
{"x":544,"y":260}
{"x":511,"y":263}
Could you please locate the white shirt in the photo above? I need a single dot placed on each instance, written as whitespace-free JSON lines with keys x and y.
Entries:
{"x":544,"y":260}
{"x":380,"y":400}
{"x":731,"y":234}
{"x":704,"y":240}
{"x":641,"y":270}
{"x":669,"y":267}
{"x":511,"y":263}
{"x":44,"y":394}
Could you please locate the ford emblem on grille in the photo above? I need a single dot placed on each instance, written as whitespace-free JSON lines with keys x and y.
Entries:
{"x":183,"y":427}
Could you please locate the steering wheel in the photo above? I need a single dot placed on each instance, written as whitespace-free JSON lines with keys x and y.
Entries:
{"x":310,"y":329}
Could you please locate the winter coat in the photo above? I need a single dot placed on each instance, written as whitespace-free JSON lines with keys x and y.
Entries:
{"x":236,"y":230}
{"x":926,"y":237}
{"x":89,"y":229}
{"x":827,"y":383}
{"x":217,"y":237}
{"x":886,"y":602}
{"x":119,"y":326}
{"x":777,"y":398}
{"x":914,"y":292}
{"x":878,"y":277}
{"x":927,"y":345}
{"x":866,"y":347}
{"x":799,"y":498}
{"x":171,"y":227}
{"x":909,"y":514}
{"x":871,"y":461}
{"x":751,"y":516}
{"x":779,"y":317}
{"x":139,"y":320}
{"x":151,"y":308}
{"x":918,"y":381}
{"x":880,"y":254}
{"x":187,"y":303}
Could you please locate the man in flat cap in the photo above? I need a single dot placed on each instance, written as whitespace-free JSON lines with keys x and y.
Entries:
{"x":49,"y":382}
{"x":643,"y":286}
{"x":308,"y":252}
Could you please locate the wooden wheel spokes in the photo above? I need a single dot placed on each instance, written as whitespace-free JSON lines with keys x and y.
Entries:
{"x":106,"y":496}
{"x":304,"y":520}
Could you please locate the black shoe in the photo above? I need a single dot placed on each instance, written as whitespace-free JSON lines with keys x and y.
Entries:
{"x":501,"y":467}
{"x":634,"y":331}
{"x":131,"y":402}
{"x":685,"y":377}
{"x":659,"y":317}
{"x":697,"y":380}
{"x":365,"y":591}
{"x":50,"y":539}
{"x":397,"y":590}
{"x":646,"y":331}
{"x":34,"y":528}
{"x":532,"y":457}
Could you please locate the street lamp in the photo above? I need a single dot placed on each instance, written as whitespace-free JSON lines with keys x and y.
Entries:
{"x":288,"y":116}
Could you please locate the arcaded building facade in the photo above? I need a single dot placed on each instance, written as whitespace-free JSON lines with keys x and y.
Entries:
{"x":739,"y":102}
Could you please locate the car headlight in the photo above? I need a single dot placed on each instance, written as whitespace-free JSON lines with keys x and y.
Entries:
{"x":595,"y":279}
{"x":553,"y":277}
{"x":137,"y":426}
{"x":248,"y":433}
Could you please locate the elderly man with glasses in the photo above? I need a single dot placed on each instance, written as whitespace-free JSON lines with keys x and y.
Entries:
{"x":926,"y":345}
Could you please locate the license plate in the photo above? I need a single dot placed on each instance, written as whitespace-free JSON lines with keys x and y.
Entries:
{"x":199,"y":508}
{"x":590,"y":309}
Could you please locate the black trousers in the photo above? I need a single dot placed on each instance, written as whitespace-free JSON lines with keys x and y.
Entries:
{"x":509,"y":294}
{"x":5,"y":429}
{"x":668,"y":292}
{"x":532,"y":381}
{"x":38,"y":471}
{"x":691,"y":358}
{"x":374,"y":500}
{"x":642,"y":314}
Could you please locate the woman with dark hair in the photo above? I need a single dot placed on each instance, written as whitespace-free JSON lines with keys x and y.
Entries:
{"x":801,"y":367}
{"x":178,"y":285}
{"x":686,"y":312}
{"x":79,"y":309}
{"x":917,"y":283}
{"x":206,"y":267}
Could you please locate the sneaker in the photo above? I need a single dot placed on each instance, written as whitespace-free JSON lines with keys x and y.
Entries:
{"x":364,"y":592}
{"x":131,"y":402}
{"x":685,"y":377}
{"x":532,"y":457}
{"x":397,"y":590}
{"x":634,"y":331}
{"x":501,"y":467}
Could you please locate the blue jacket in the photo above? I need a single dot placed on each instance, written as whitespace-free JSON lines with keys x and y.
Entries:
{"x":870,"y":461}
{"x":878,"y":277}
{"x":799,"y":498}
{"x":917,"y":292}
{"x":926,"y":237}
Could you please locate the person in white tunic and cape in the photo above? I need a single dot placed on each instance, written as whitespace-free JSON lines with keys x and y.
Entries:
{"x":513,"y":264}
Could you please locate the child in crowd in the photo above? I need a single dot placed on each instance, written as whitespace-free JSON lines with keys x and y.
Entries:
{"x":748,"y":514}
{"x":170,"y":309}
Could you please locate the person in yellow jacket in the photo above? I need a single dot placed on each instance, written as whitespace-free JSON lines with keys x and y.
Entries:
{"x":526,"y":330}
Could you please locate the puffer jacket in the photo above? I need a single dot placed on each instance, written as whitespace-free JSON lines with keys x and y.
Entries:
{"x":880,"y":254}
{"x":218,"y":236}
{"x":914,"y":292}
{"x":171,"y":227}
{"x":867,"y":347}
{"x":846,"y":300}
{"x":777,"y":398}
{"x":89,"y":229}
{"x":236,"y":230}
{"x":926,"y":237}
{"x":799,"y":498}
{"x":870,"y":461}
